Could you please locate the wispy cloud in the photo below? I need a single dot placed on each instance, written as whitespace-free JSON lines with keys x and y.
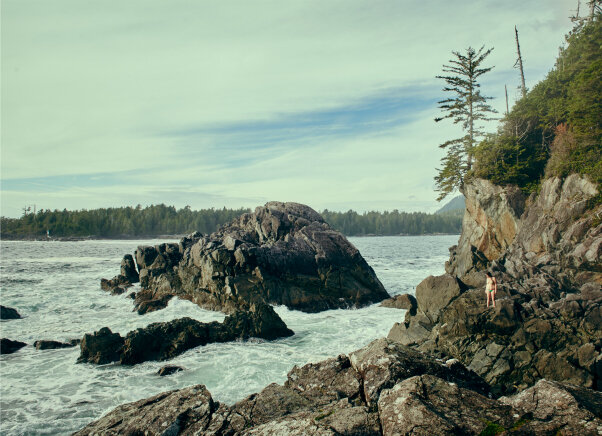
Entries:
{"x":234,"y":102}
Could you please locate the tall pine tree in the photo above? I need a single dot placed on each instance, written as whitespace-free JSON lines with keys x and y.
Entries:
{"x":466,"y":107}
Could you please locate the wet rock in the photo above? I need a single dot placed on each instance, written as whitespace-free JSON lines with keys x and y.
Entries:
{"x":185,"y":411}
{"x":169,"y":370}
{"x":9,"y":313}
{"x":51,"y":345}
{"x":102,"y":347}
{"x":128,"y":269}
{"x":404,"y":301}
{"x":283,"y":254}
{"x":8,"y":346}
{"x":165,"y":340}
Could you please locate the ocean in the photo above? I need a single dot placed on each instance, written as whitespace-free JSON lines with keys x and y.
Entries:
{"x":55,"y":286}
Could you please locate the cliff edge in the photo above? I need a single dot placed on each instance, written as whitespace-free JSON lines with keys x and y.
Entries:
{"x":545,"y":253}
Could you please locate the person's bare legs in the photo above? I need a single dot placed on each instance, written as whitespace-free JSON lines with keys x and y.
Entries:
{"x":488,"y":297}
{"x":493,"y":297}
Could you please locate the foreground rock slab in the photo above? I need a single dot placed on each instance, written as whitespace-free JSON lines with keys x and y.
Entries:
{"x":169,"y":413}
{"x":281,"y":254}
{"x":165,"y":340}
{"x":382,"y":389}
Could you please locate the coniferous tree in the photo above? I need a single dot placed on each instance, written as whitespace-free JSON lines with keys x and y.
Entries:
{"x":467,"y":107}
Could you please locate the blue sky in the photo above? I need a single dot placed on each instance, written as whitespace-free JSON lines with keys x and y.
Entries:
{"x":235,"y":103}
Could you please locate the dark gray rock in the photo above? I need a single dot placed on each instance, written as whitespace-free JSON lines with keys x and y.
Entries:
{"x":9,"y":313}
{"x":102,"y":347}
{"x":165,"y":340}
{"x":169,"y":370}
{"x":8,"y":346}
{"x":404,"y":301}
{"x":558,"y":408}
{"x":51,"y":345}
{"x":545,"y":254}
{"x":429,"y":405}
{"x":283,"y":254}
{"x":383,"y":363}
{"x":185,"y":411}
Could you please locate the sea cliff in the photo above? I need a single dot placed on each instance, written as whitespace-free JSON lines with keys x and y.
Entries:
{"x":445,"y":368}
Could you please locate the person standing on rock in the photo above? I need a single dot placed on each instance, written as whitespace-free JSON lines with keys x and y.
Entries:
{"x":490,"y":288}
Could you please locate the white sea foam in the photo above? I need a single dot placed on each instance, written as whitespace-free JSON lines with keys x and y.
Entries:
{"x":55,"y":286}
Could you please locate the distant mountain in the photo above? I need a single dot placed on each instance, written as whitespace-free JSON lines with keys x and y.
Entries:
{"x":456,"y":203}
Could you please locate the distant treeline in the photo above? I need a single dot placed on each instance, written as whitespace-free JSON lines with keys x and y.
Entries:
{"x":167,"y":220}
{"x":394,"y":223}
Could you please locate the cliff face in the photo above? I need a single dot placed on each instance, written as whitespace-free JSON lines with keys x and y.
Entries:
{"x":545,"y":251}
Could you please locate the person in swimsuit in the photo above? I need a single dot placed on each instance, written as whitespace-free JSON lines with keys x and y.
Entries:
{"x":490,"y":288}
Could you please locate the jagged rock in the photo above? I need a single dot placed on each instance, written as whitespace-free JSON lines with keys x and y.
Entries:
{"x":116,"y":286}
{"x":341,"y":418}
{"x":185,"y":411}
{"x":283,"y":254}
{"x":429,"y":405}
{"x":9,"y":313}
{"x":145,"y":301}
{"x":51,"y":345}
{"x":404,"y":301}
{"x":169,"y":370}
{"x":165,"y":340}
{"x":8,"y":346}
{"x":435,"y":293}
{"x":124,"y":280}
{"x":548,"y":316}
{"x":489,"y":226}
{"x":558,"y":408}
{"x":383,"y":388}
{"x":102,"y":347}
{"x":128,"y":269}
{"x":383,"y":363}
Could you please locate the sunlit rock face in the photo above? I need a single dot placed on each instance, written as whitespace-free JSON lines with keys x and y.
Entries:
{"x":283,"y":254}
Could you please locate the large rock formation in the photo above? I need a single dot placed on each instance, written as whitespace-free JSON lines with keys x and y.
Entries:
{"x":545,"y":252}
{"x":382,"y":389}
{"x":165,"y":340}
{"x":283,"y":254}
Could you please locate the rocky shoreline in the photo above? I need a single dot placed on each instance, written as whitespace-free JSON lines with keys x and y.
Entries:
{"x":531,"y":365}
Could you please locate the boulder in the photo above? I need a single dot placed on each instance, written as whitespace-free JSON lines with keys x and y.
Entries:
{"x":169,"y":370}
{"x":383,"y":363}
{"x":282,"y":254}
{"x":429,"y":405}
{"x":51,"y":345}
{"x":165,"y":340}
{"x":8,"y":346}
{"x":128,"y":269}
{"x":102,"y":347}
{"x":9,"y":313}
{"x":558,"y":408}
{"x":435,"y":293}
{"x":185,"y":411}
{"x":403,"y":301}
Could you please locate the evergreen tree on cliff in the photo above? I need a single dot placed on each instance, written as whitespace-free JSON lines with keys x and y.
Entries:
{"x":466,"y":107}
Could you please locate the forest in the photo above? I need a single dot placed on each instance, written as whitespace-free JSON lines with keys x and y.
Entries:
{"x":162,"y":220}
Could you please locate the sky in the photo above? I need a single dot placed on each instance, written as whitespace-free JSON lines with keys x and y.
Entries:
{"x":235,"y":103}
